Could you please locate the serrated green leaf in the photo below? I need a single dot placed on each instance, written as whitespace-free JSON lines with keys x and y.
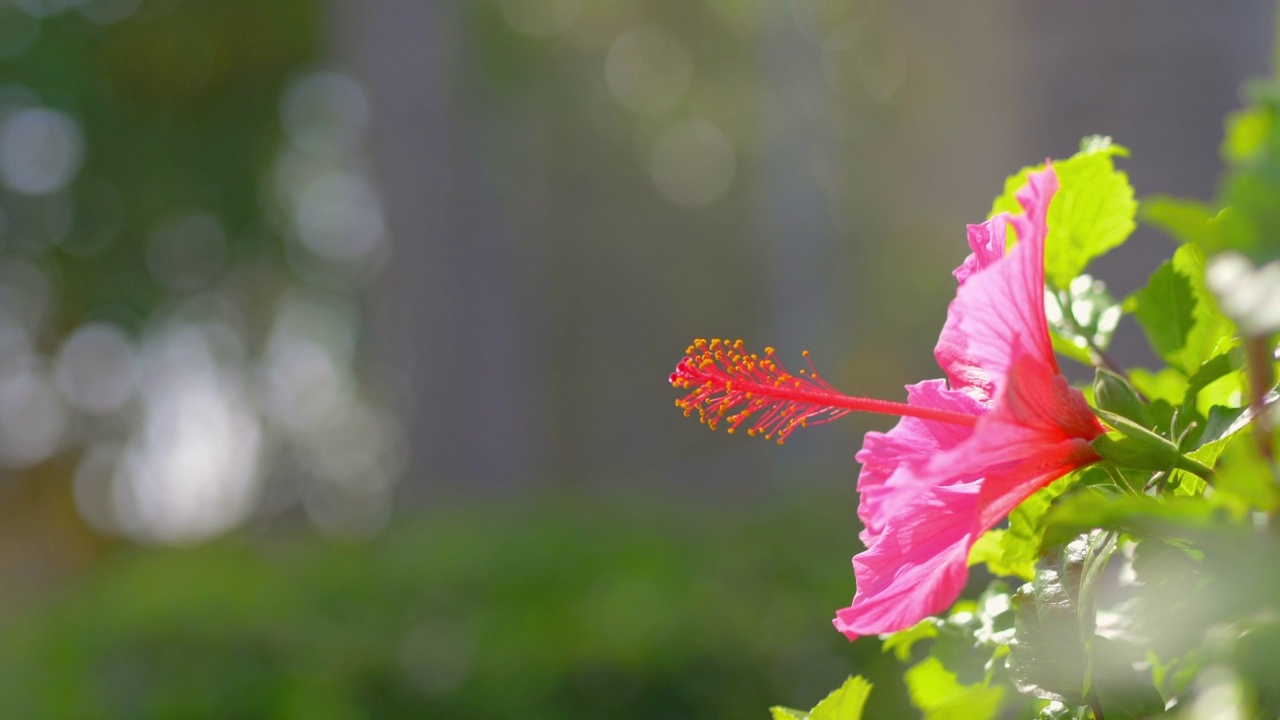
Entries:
{"x":1092,"y":212}
{"x":1221,"y":428}
{"x":942,"y":697}
{"x":1165,"y":310}
{"x":1179,"y":315}
{"x":844,"y":703}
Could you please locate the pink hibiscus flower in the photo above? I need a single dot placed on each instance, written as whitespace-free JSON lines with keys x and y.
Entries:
{"x":1003,"y":424}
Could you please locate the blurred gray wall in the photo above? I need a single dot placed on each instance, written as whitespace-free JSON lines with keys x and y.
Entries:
{"x":539,"y":291}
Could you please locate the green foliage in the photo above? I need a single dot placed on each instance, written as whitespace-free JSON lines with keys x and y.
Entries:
{"x":1047,"y":657}
{"x":1093,"y":211}
{"x":1179,"y":314}
{"x":488,"y":612}
{"x":1252,"y":151}
{"x":845,"y":703}
{"x":938,"y":693}
{"x":1188,"y":221}
{"x":1164,"y":307}
{"x":1136,"y":515}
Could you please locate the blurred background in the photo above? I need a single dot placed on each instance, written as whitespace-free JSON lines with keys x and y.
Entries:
{"x":334,"y":334}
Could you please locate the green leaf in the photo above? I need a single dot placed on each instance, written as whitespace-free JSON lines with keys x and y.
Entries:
{"x":1165,"y":310}
{"x":942,"y":697}
{"x":1221,"y":429}
{"x":1179,"y":315}
{"x":1047,"y":657}
{"x":1092,"y":212}
{"x":1246,"y":136}
{"x":973,"y":634}
{"x":1245,"y":481}
{"x":845,"y":703}
{"x":901,"y":642}
{"x":1213,"y":369}
{"x":1137,"y":515}
{"x":1186,"y":220}
{"x":1123,"y":693}
{"x":1168,"y":384}
{"x":1252,"y":182}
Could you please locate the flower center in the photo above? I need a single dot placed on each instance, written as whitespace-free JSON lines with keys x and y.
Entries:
{"x":729,"y":385}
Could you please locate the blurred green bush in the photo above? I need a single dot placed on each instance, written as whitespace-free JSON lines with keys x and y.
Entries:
{"x":564,"y":609}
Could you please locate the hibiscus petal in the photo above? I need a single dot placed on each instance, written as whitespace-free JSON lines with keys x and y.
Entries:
{"x":1000,"y":311}
{"x":1034,"y":197}
{"x":918,"y":564}
{"x":1040,"y":430}
{"x":987,"y":241}
{"x":892,"y":462}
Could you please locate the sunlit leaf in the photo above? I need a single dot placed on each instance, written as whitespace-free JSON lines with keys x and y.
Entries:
{"x":901,"y":642}
{"x":942,"y":697}
{"x":1092,"y":212}
{"x":845,"y":703}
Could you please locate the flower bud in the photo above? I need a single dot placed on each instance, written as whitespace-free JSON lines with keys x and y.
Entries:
{"x":1114,"y":394}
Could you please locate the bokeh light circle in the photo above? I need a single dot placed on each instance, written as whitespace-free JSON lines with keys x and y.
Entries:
{"x":94,"y":369}
{"x":693,"y":163}
{"x":40,"y":151}
{"x":648,"y":69}
{"x":540,"y":18}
